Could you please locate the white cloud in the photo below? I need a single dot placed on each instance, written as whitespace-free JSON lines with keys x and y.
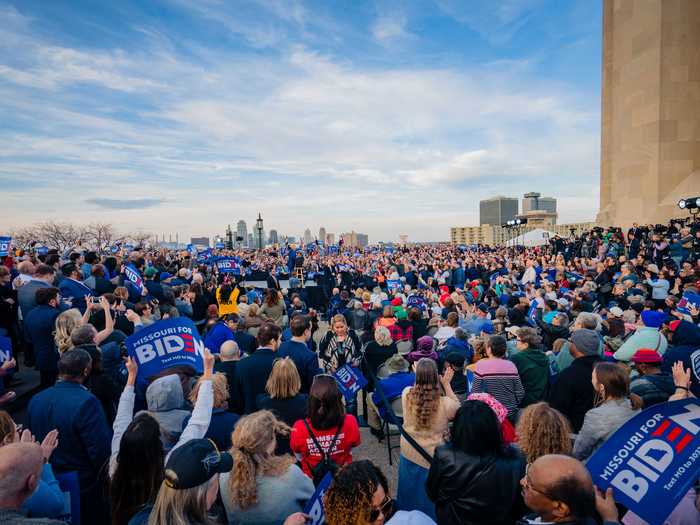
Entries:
{"x":306,"y":137}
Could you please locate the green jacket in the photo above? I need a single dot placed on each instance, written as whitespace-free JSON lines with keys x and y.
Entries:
{"x":533,"y":368}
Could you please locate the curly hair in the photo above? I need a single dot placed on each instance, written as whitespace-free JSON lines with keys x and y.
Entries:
{"x":66,"y":322}
{"x":251,"y":440}
{"x":423,"y":398}
{"x":543,"y":430}
{"x":219,"y":384}
{"x":348,"y":501}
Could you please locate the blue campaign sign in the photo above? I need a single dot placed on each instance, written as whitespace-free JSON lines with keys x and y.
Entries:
{"x":350,"y":381}
{"x":652,"y":460}
{"x":314,"y":507}
{"x":228,"y":265}
{"x":689,"y":300}
{"x":42,"y":250}
{"x":5,"y":246}
{"x":393,"y":284}
{"x":5,"y":349}
{"x":167,"y":343}
{"x":134,"y":276}
{"x":70,"y":486}
{"x":532,"y":313}
{"x":219,"y":246}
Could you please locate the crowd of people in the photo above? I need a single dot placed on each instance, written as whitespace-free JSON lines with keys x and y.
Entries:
{"x":505,"y":368}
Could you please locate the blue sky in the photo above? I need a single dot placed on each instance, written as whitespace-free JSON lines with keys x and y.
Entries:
{"x":383,"y":117}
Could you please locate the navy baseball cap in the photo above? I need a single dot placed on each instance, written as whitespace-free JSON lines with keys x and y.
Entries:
{"x":195,"y":463}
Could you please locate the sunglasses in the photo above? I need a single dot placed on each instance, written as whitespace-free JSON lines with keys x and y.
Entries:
{"x":384,"y":509}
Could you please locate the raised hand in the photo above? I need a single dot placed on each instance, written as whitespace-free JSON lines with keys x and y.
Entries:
{"x":49,"y":444}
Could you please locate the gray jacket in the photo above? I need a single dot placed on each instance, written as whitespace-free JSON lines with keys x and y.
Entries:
{"x":599,"y":424}
{"x":166,"y":403}
{"x":278,"y":497}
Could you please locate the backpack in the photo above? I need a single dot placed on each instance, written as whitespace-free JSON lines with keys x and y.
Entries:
{"x":326,"y":464}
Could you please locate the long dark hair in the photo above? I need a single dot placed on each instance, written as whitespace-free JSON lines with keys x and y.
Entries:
{"x":271,"y":297}
{"x":476,"y":430}
{"x":225,"y":292}
{"x":140,"y":466}
{"x":325,"y":405}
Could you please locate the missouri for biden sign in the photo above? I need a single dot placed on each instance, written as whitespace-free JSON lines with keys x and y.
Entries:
{"x":652,"y":460}
{"x":165,"y":344}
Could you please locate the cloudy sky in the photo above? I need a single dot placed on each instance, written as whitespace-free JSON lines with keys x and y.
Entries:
{"x":386,"y":117}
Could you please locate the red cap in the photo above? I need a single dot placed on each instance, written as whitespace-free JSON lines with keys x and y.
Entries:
{"x":646,"y":355}
{"x":396,"y":301}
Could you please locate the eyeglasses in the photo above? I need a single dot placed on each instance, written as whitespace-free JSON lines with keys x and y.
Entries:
{"x":528,"y":484}
{"x":384,"y":509}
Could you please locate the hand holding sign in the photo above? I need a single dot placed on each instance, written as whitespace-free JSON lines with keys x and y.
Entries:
{"x":605,"y":505}
{"x":132,"y":370}
{"x":298,"y":518}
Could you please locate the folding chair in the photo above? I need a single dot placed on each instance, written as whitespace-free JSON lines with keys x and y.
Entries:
{"x":392,"y":430}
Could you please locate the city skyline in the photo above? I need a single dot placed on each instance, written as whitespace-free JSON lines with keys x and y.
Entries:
{"x":384,"y":117}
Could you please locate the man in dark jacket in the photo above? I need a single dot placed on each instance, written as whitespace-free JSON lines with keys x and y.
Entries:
{"x":26,"y":294}
{"x":572,"y":392}
{"x":39,"y":327}
{"x":253,"y":371}
{"x":84,"y":442}
{"x":557,"y":329}
{"x":652,"y":385}
{"x":229,"y":356}
{"x":72,"y":288}
{"x":298,"y":351}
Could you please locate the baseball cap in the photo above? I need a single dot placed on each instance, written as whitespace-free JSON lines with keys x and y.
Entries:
{"x":646,"y":355}
{"x":483,"y":308}
{"x":164,"y":276}
{"x":587,"y":341}
{"x":195,"y":463}
{"x":487,"y":328}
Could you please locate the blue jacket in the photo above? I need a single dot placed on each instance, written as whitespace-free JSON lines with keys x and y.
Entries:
{"x":458,"y":346}
{"x":84,"y":436}
{"x":76,"y":292}
{"x":218,"y":335}
{"x":47,"y":500}
{"x":305,"y":360}
{"x":39,"y":326}
{"x":220,"y":427}
{"x":392,"y":387}
{"x":686,"y":340}
{"x":246,"y":342}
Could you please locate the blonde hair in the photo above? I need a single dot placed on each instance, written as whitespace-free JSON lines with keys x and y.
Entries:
{"x":543,"y":430}
{"x":251,"y":440}
{"x":66,"y":322}
{"x":253,"y":310}
{"x":382,"y":336}
{"x":219,"y":384}
{"x":181,"y":507}
{"x":339,"y":318}
{"x":284,"y":381}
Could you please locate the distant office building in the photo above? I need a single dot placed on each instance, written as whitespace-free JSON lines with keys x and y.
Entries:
{"x":307,"y":237}
{"x":497,"y":210}
{"x":200,"y":242}
{"x":322,"y":234}
{"x":251,"y":241}
{"x":273,"y":237}
{"x":534,"y":201}
{"x":354,"y":240}
{"x":242,"y":230}
{"x":330,"y":239}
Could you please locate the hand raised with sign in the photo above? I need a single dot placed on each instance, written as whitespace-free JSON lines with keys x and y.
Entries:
{"x":132,"y":316}
{"x":208,"y":364}
{"x":132,"y":369}
{"x":681,"y":376}
{"x":605,"y":505}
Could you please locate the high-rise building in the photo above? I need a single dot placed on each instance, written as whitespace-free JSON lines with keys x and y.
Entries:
{"x":497,"y":210}
{"x":251,"y":241}
{"x":330,"y":239}
{"x":354,"y":239}
{"x":273,"y":237}
{"x":534,"y":201}
{"x":322,"y":234}
{"x":307,"y":237}
{"x":362,"y":240}
{"x":650,"y":123}
{"x":242,"y":231}
{"x":257,"y":236}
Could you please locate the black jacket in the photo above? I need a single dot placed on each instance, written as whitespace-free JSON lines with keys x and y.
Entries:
{"x":472,"y":490}
{"x":572,"y":392}
{"x":251,"y":375}
{"x":551,"y":333}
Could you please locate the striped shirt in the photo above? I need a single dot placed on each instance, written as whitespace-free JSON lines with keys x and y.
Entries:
{"x":499,"y":377}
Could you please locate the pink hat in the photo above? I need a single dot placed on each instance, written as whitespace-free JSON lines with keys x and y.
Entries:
{"x":498,"y":408}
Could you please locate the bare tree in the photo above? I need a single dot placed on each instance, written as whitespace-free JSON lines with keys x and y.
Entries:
{"x":100,"y":235}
